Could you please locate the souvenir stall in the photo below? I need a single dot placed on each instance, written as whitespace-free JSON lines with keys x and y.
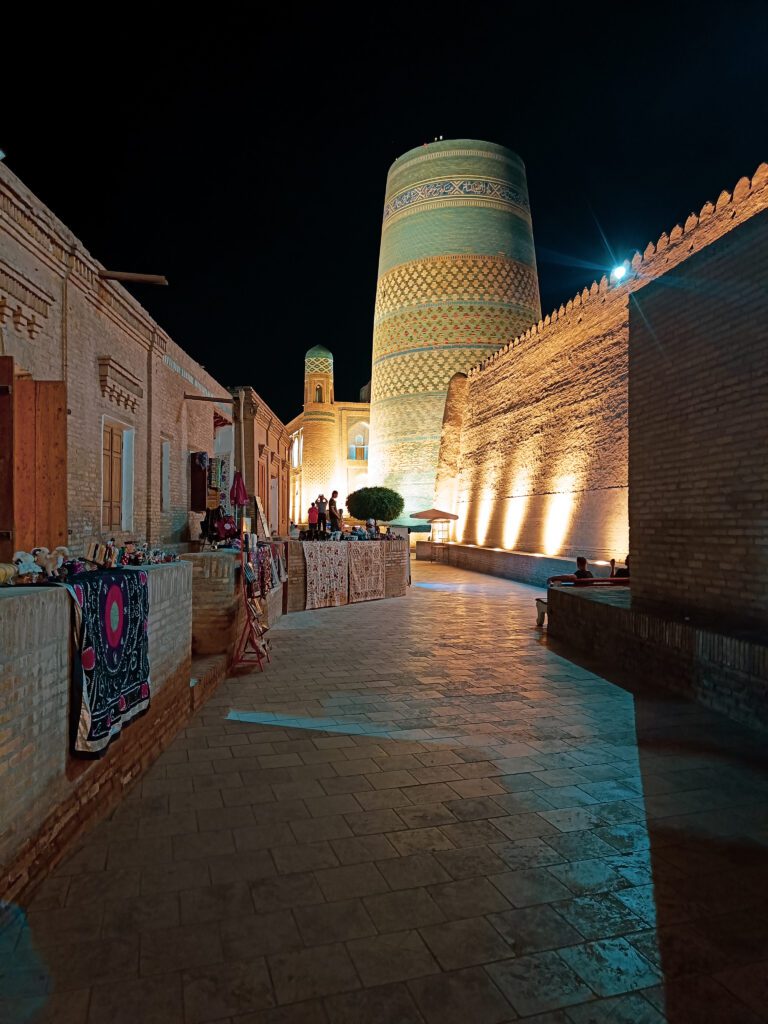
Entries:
{"x":365,"y":566}
{"x":110,"y":619}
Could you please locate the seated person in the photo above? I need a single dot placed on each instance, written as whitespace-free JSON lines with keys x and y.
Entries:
{"x":582,"y":573}
{"x":620,"y":572}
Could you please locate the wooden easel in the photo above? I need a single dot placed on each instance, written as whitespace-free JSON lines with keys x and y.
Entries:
{"x":252,"y":647}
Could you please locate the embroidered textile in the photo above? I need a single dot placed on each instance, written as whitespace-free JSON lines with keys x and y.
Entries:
{"x":327,"y":573}
{"x":110,"y":675}
{"x":366,"y":571}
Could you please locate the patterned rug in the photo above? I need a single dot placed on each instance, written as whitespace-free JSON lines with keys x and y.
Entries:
{"x":327,"y":573}
{"x":366,"y":571}
{"x":111,"y":663}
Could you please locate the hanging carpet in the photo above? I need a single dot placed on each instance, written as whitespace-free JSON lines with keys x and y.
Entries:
{"x":111,"y":664}
{"x":327,"y":573}
{"x":366,"y":571}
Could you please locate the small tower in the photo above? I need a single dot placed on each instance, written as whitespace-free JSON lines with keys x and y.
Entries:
{"x":318,"y":377}
{"x":321,"y":472}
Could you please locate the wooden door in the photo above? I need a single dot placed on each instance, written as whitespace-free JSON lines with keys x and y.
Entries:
{"x":6,"y":458}
{"x":33,"y":462}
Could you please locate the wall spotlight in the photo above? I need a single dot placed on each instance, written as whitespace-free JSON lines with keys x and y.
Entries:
{"x":2,"y":155}
{"x":619,"y":272}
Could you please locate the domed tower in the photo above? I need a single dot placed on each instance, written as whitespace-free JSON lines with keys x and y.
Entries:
{"x":457,"y":280}
{"x":320,"y":441}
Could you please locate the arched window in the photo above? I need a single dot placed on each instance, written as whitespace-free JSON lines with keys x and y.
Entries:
{"x":296,"y":452}
{"x":357,"y":441}
{"x":318,"y":392}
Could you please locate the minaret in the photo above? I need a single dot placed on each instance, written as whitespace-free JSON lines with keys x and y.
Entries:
{"x":320,"y":473}
{"x":457,"y":280}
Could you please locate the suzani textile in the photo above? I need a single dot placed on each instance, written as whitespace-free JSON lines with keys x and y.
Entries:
{"x":327,"y":573}
{"x":111,"y":664}
{"x":366,"y":571}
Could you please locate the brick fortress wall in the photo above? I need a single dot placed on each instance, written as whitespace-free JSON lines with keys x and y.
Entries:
{"x":698,"y":429}
{"x":534,"y":452}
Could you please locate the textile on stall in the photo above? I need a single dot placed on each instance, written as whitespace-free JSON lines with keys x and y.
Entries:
{"x":366,"y":571}
{"x":110,"y":676}
{"x":327,"y":573}
{"x":265,"y":569}
{"x":278,"y":557}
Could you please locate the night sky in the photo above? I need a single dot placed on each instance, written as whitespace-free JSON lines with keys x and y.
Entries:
{"x":245,"y":157}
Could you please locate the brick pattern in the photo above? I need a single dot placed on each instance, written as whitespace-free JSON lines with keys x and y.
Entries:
{"x":396,"y":567}
{"x":510,"y":565}
{"x":297,"y":576}
{"x":215,"y":601}
{"x":47,"y":797}
{"x":698,"y":416}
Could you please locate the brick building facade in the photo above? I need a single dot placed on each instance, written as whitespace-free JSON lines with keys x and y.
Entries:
{"x":698,"y":433}
{"x":262,"y":448}
{"x":534,"y":451}
{"x":133,"y":406}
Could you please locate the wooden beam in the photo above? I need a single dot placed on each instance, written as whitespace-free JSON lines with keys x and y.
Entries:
{"x":204,"y":398}
{"x":120,"y":275}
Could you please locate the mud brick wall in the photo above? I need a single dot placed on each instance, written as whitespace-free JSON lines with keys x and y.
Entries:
{"x":511,"y":565}
{"x":698,"y":428}
{"x":215,"y":601}
{"x":297,"y":577}
{"x":534,"y":451}
{"x":396,"y":564}
{"x":47,"y":797}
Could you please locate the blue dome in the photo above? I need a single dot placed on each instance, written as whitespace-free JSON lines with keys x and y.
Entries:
{"x":319,"y":352}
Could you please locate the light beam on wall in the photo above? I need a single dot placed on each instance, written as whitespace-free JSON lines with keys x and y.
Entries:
{"x":488,"y":491}
{"x":514,"y":513}
{"x":559,"y":512}
{"x":483,"y":516}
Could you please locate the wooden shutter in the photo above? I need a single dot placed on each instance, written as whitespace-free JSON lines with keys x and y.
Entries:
{"x":112,"y":478}
{"x":33,"y":462}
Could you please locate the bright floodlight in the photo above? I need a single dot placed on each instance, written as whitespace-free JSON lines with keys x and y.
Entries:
{"x":619,"y":272}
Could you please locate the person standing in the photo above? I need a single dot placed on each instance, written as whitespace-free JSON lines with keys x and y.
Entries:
{"x":322,"y":508}
{"x":312,"y":519}
{"x":333,"y":513}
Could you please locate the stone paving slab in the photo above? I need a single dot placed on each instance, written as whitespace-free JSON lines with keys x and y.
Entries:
{"x":419,"y":813}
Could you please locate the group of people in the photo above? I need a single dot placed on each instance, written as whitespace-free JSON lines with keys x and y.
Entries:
{"x":583,"y":573}
{"x":324,"y":517}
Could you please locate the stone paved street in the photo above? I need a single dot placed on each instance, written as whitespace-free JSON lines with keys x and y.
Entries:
{"x":419,"y":813}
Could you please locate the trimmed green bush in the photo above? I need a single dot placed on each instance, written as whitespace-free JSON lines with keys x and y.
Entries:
{"x":377,"y":503}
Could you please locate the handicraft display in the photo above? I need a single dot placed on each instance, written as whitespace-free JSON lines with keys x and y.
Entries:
{"x":366,"y":572}
{"x":111,"y":683}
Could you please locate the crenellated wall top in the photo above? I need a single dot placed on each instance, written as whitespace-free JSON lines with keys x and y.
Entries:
{"x":749,"y":196}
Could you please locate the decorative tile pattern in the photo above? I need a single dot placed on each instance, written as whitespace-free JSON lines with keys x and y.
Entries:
{"x":441,"y":191}
{"x":448,"y":279}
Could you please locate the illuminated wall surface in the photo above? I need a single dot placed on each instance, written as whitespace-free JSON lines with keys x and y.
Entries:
{"x":457,"y":279}
{"x":534,"y":450}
